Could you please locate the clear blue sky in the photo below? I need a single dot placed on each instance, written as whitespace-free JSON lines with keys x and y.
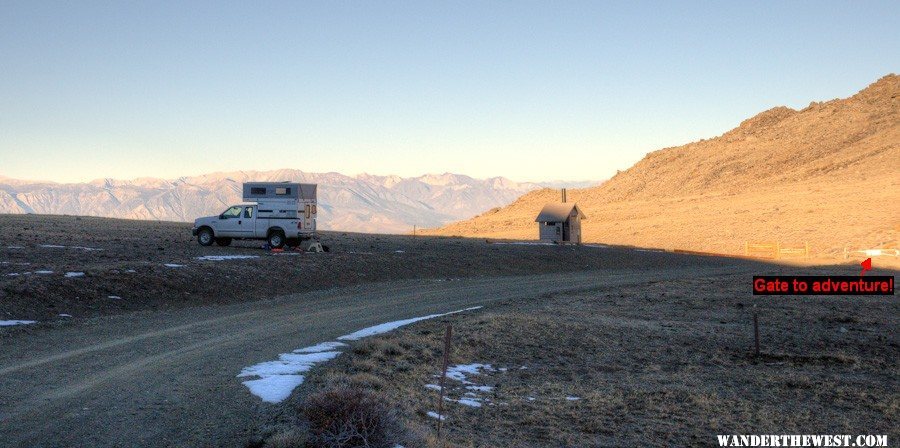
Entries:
{"x":529,"y":90}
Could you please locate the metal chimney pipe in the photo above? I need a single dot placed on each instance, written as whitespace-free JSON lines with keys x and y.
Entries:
{"x":564,"y":195}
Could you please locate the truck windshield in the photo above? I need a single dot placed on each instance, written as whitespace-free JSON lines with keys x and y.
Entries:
{"x":233,"y":212}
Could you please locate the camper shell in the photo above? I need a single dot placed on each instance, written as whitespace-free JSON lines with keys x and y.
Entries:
{"x":279,"y":200}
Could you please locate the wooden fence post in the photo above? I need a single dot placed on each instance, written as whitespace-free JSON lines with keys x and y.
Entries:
{"x":756,"y":332}
{"x":446,"y":363}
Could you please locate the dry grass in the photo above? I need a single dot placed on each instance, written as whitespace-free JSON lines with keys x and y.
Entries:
{"x":664,"y":364}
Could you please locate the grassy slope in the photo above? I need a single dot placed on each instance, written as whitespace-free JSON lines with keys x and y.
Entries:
{"x":825,"y":174}
{"x":663,"y":364}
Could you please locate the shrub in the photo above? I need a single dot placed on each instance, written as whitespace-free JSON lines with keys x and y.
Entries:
{"x":345,"y":417}
{"x":293,"y":438}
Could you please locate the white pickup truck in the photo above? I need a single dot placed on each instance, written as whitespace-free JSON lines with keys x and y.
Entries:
{"x":281,"y":213}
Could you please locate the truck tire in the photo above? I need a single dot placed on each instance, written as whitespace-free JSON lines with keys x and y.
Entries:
{"x":205,"y":236}
{"x":223,"y":241}
{"x":276,"y":239}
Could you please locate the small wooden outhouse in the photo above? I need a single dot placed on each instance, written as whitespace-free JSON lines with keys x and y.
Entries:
{"x":560,"y":223}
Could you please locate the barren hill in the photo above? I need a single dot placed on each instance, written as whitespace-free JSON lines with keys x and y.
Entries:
{"x":826,"y":174}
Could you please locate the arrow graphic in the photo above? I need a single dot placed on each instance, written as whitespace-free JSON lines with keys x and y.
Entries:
{"x":866,"y":266}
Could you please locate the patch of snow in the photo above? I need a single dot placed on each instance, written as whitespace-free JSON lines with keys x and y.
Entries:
{"x":130,"y":271}
{"x":114,"y":297}
{"x":530,"y":398}
{"x":435,"y":415}
{"x":399,"y":251}
{"x":287,"y":364}
{"x":389,"y":326}
{"x":433,"y":386}
{"x":65,"y":315}
{"x":572,"y":398}
{"x":277,"y":379}
{"x":74,"y":274}
{"x":173,"y":265}
{"x":15,"y":247}
{"x":274,"y":388}
{"x":43,"y":272}
{"x":323,"y":347}
{"x":471,"y":402}
{"x":9,"y":323}
{"x":459,"y":372}
{"x":226,"y":257}
{"x":57,"y":246}
{"x":14,"y":274}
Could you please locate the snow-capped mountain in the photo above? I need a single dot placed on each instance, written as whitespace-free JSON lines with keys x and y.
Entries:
{"x":362,"y":203}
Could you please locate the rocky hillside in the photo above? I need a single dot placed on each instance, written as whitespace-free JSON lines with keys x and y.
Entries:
{"x":364,"y":203}
{"x":826,"y":174}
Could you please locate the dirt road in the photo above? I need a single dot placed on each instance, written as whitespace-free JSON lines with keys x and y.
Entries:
{"x":169,"y":378}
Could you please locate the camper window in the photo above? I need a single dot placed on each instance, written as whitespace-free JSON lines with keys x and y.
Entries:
{"x":282,"y":191}
{"x":258,"y":191}
{"x":307,"y":210}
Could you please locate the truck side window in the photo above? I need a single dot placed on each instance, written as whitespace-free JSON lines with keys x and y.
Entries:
{"x":233,"y":212}
{"x":248,"y":212}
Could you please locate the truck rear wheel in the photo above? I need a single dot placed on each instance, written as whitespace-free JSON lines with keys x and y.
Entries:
{"x":276,"y":239}
{"x":223,"y":241}
{"x":205,"y":237}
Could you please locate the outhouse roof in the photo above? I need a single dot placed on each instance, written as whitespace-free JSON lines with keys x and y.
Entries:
{"x":558,"y":212}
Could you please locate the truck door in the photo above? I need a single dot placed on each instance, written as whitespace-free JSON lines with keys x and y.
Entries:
{"x":227,"y":225}
{"x":233,"y":223}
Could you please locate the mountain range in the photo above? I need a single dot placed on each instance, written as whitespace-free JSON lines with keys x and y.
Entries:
{"x":362,"y":203}
{"x":826,"y":175}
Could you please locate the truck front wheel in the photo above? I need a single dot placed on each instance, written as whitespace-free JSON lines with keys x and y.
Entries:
{"x":276,"y":239}
{"x":205,"y":237}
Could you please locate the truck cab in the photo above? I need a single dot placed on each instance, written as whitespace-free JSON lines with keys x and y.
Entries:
{"x":280,"y":213}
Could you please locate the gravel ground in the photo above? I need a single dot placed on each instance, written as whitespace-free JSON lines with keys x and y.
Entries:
{"x":124,"y":265}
